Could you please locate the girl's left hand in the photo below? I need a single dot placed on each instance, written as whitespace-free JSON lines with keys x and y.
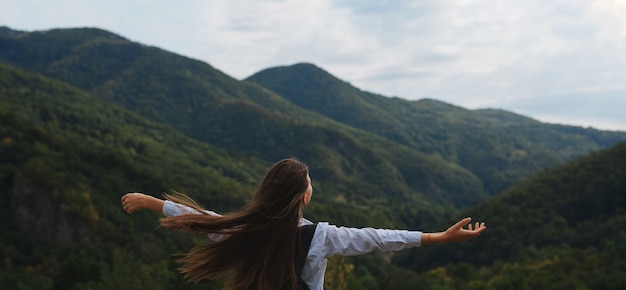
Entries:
{"x":134,"y":201}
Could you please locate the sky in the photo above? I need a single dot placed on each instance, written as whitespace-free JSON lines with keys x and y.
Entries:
{"x":558,"y":61}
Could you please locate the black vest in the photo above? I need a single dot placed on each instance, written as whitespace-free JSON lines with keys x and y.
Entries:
{"x":302,"y":250}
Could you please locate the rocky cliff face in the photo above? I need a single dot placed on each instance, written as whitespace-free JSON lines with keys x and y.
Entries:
{"x":38,"y":212}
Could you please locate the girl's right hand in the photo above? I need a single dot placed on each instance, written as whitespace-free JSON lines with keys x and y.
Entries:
{"x":457,"y":233}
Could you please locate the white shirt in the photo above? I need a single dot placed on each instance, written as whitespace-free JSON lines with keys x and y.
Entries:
{"x":329,"y":240}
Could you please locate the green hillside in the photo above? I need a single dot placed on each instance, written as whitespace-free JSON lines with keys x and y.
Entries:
{"x":65,"y":160}
{"x":562,"y":229}
{"x":498,"y":146}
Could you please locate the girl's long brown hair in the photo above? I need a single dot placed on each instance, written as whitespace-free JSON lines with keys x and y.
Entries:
{"x":259,"y":250}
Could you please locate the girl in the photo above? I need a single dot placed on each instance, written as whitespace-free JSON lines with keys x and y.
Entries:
{"x":257,"y":245}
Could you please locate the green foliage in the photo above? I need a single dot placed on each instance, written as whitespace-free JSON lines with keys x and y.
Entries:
{"x":558,"y":230}
{"x":565,"y":269}
{"x":66,"y":158}
{"x":126,"y":272}
{"x":338,"y":273}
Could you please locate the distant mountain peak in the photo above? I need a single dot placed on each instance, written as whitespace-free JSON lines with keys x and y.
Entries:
{"x":8,"y":32}
{"x":302,"y":70}
{"x":5,"y":31}
{"x":305,"y":65}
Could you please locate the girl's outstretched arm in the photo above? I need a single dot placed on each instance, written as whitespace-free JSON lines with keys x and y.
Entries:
{"x":455,"y":233}
{"x":135,"y":201}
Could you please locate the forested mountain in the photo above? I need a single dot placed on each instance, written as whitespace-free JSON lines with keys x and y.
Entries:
{"x":86,"y":115}
{"x":412,"y":150}
{"x":498,"y":146}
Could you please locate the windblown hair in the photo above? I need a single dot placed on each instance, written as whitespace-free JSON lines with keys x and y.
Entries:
{"x":259,"y":249}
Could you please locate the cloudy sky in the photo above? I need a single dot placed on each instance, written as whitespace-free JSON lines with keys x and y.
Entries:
{"x":558,"y":61}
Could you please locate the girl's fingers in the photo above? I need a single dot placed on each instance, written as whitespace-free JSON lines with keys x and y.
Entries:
{"x":463,"y":222}
{"x":126,"y":204}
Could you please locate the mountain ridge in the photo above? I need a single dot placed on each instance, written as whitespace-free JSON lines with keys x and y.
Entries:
{"x":209,"y":106}
{"x":499,"y":140}
{"x":195,"y":98}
